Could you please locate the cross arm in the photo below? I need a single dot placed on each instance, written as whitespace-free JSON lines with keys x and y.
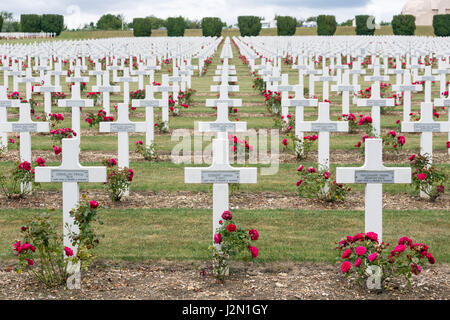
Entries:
{"x":24,"y":127}
{"x":122,"y":126}
{"x":72,"y":174}
{"x":217,"y":175}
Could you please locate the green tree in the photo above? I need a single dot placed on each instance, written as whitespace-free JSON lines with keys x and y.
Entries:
{"x":175,"y":26}
{"x":365,"y":27}
{"x":441,"y":25}
{"x":249,"y":25}
{"x":52,"y":23}
{"x":142,"y":27}
{"x":326,"y":25}
{"x":211,"y":27}
{"x":109,"y":22}
{"x":30,"y":23}
{"x":404,"y":25}
{"x":286,"y":26}
{"x":347,"y":23}
{"x":156,"y":22}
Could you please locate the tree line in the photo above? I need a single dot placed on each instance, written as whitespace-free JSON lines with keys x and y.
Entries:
{"x":32,"y":23}
{"x":212,"y":26}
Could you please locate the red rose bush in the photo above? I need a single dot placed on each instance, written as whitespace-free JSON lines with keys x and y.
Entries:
{"x":41,"y":251}
{"x":232,"y":240}
{"x":362,"y":253}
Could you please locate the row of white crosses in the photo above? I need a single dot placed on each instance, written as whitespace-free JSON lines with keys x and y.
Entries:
{"x":426,"y":125}
{"x":220,"y":174}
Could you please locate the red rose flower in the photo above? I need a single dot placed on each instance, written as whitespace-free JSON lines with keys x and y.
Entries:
{"x":231,"y":227}
{"x":253,"y":251}
{"x":254,"y":234}
{"x":93,"y":204}
{"x":346,"y":266}
{"x":226,"y":215}
{"x":218,"y":238}
{"x":68,"y":251}
{"x":347,"y":253}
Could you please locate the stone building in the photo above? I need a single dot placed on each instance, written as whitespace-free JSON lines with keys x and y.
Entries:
{"x":424,"y":10}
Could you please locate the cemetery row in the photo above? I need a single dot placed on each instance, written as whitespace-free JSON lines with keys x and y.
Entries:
{"x":373,"y":174}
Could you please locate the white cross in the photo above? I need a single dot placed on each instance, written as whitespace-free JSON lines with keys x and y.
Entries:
{"x":324,"y":126}
{"x":70,"y":173}
{"x":444,"y":103}
{"x":165,"y":88}
{"x":114,"y":68}
{"x":398,"y":71}
{"x":123,"y":126}
{"x":311,"y":72}
{"x":376,"y":102}
{"x":6,"y":70}
{"x":443,"y":70}
{"x":98,"y":72}
{"x":301,"y":72}
{"x":47,"y":88}
{"x":149,"y":103}
{"x":326,"y":79}
{"x":428,"y":78}
{"x":373,"y":174}
{"x":345,"y":87}
{"x":141,"y":72}
{"x":273,"y":79}
{"x":126,"y":79}
{"x":28,"y":80}
{"x":5,"y":103}
{"x":407,"y":87}
{"x":220,"y":174}
{"x":284,"y":89}
{"x":24,"y":126}
{"x":426,"y":125}
{"x":339,"y":67}
{"x":43,"y":66}
{"x":356,"y":71}
{"x":223,"y":98}
{"x":106,"y":89}
{"x":75,"y":102}
{"x":299,"y":102}
{"x":57,"y":73}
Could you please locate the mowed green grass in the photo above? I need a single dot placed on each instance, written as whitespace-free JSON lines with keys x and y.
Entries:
{"x":184,"y":234}
{"x":285,"y":235}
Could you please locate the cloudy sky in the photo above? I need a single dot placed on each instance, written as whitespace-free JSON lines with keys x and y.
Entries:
{"x":80,"y":12}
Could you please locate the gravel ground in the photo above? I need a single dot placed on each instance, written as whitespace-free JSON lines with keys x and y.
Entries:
{"x":192,"y":280}
{"x":240,"y":200}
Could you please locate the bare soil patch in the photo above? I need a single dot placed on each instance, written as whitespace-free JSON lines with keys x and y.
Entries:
{"x":193,"y":280}
{"x":240,"y":200}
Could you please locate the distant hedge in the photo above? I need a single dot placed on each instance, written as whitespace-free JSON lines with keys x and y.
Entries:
{"x":326,"y":25}
{"x":249,"y":25}
{"x":30,"y":23}
{"x":404,"y":25}
{"x":1,"y":23}
{"x":52,"y":23}
{"x":142,"y":27}
{"x":211,"y":27}
{"x":361,"y":25}
{"x":286,"y":26}
{"x":175,"y":27}
{"x":441,"y":25}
